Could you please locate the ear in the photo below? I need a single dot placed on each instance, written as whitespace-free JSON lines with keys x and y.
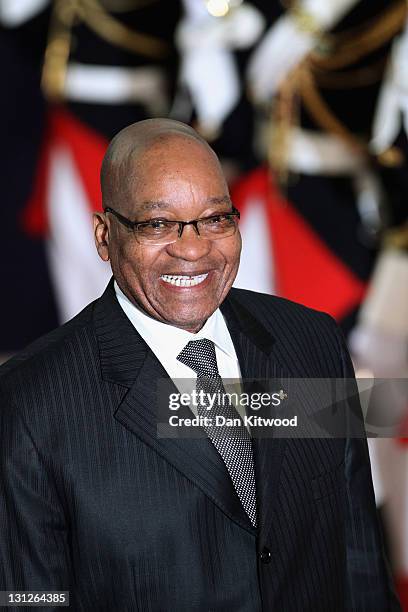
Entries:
{"x":101,"y":234}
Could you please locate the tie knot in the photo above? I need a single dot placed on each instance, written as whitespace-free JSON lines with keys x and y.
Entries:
{"x":199,"y":355}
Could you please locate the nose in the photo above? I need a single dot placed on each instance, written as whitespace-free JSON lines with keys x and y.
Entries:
{"x":190,"y":246}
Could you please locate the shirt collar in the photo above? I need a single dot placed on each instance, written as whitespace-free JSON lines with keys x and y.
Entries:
{"x":156,"y":334}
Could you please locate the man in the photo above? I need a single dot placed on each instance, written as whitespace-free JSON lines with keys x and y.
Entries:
{"x":94,"y":502}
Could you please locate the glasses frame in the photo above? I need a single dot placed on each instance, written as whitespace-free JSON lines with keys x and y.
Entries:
{"x":134,"y":225}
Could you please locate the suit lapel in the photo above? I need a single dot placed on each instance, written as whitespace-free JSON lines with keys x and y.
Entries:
{"x":127,"y":361}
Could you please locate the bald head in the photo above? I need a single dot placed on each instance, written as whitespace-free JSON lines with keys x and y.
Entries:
{"x":125,"y":152}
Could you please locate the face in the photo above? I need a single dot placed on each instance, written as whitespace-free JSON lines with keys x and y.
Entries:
{"x":179,"y":180}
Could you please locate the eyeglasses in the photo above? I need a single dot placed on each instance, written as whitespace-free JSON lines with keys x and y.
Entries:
{"x":162,"y":231}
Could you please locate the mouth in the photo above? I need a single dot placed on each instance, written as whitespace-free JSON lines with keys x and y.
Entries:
{"x":184,"y":281}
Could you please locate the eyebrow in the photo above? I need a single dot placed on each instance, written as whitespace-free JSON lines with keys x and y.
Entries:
{"x":149,"y":205}
{"x":221,"y":200}
{"x":152,"y":205}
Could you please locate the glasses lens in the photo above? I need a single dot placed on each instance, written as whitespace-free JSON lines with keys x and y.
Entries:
{"x":157,"y":232}
{"x":217,"y":227}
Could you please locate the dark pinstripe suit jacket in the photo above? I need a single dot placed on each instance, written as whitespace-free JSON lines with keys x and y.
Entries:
{"x":91,"y":501}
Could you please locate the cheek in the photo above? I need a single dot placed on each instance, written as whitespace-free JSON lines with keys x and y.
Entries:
{"x":137,"y":264}
{"x":125,"y":263}
{"x":233,"y":252}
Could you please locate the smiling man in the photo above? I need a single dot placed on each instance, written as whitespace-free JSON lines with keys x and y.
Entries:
{"x":94,"y":502}
{"x":162,"y":172}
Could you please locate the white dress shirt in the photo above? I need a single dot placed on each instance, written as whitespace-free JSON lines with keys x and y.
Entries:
{"x":167,"y":341}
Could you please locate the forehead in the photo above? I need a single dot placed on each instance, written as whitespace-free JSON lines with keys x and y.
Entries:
{"x":176,"y":155}
{"x":176,"y":172}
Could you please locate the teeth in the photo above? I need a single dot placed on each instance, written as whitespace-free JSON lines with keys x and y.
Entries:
{"x":184,"y":281}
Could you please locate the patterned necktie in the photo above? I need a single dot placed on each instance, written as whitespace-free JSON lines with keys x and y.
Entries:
{"x":233,"y":443}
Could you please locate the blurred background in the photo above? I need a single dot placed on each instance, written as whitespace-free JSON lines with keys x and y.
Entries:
{"x":306,"y":104}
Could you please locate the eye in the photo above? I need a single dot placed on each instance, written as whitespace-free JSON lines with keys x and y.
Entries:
{"x":218,"y":225}
{"x":219,"y":222}
{"x":157,"y":224}
{"x":154,"y":227}
{"x":216,"y":219}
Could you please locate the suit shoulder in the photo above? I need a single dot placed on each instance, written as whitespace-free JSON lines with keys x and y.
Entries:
{"x":265,"y":305}
{"x":49,"y":349}
{"x":306,"y":340}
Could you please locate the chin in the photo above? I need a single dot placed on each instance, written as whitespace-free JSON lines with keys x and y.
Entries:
{"x":192,"y":325}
